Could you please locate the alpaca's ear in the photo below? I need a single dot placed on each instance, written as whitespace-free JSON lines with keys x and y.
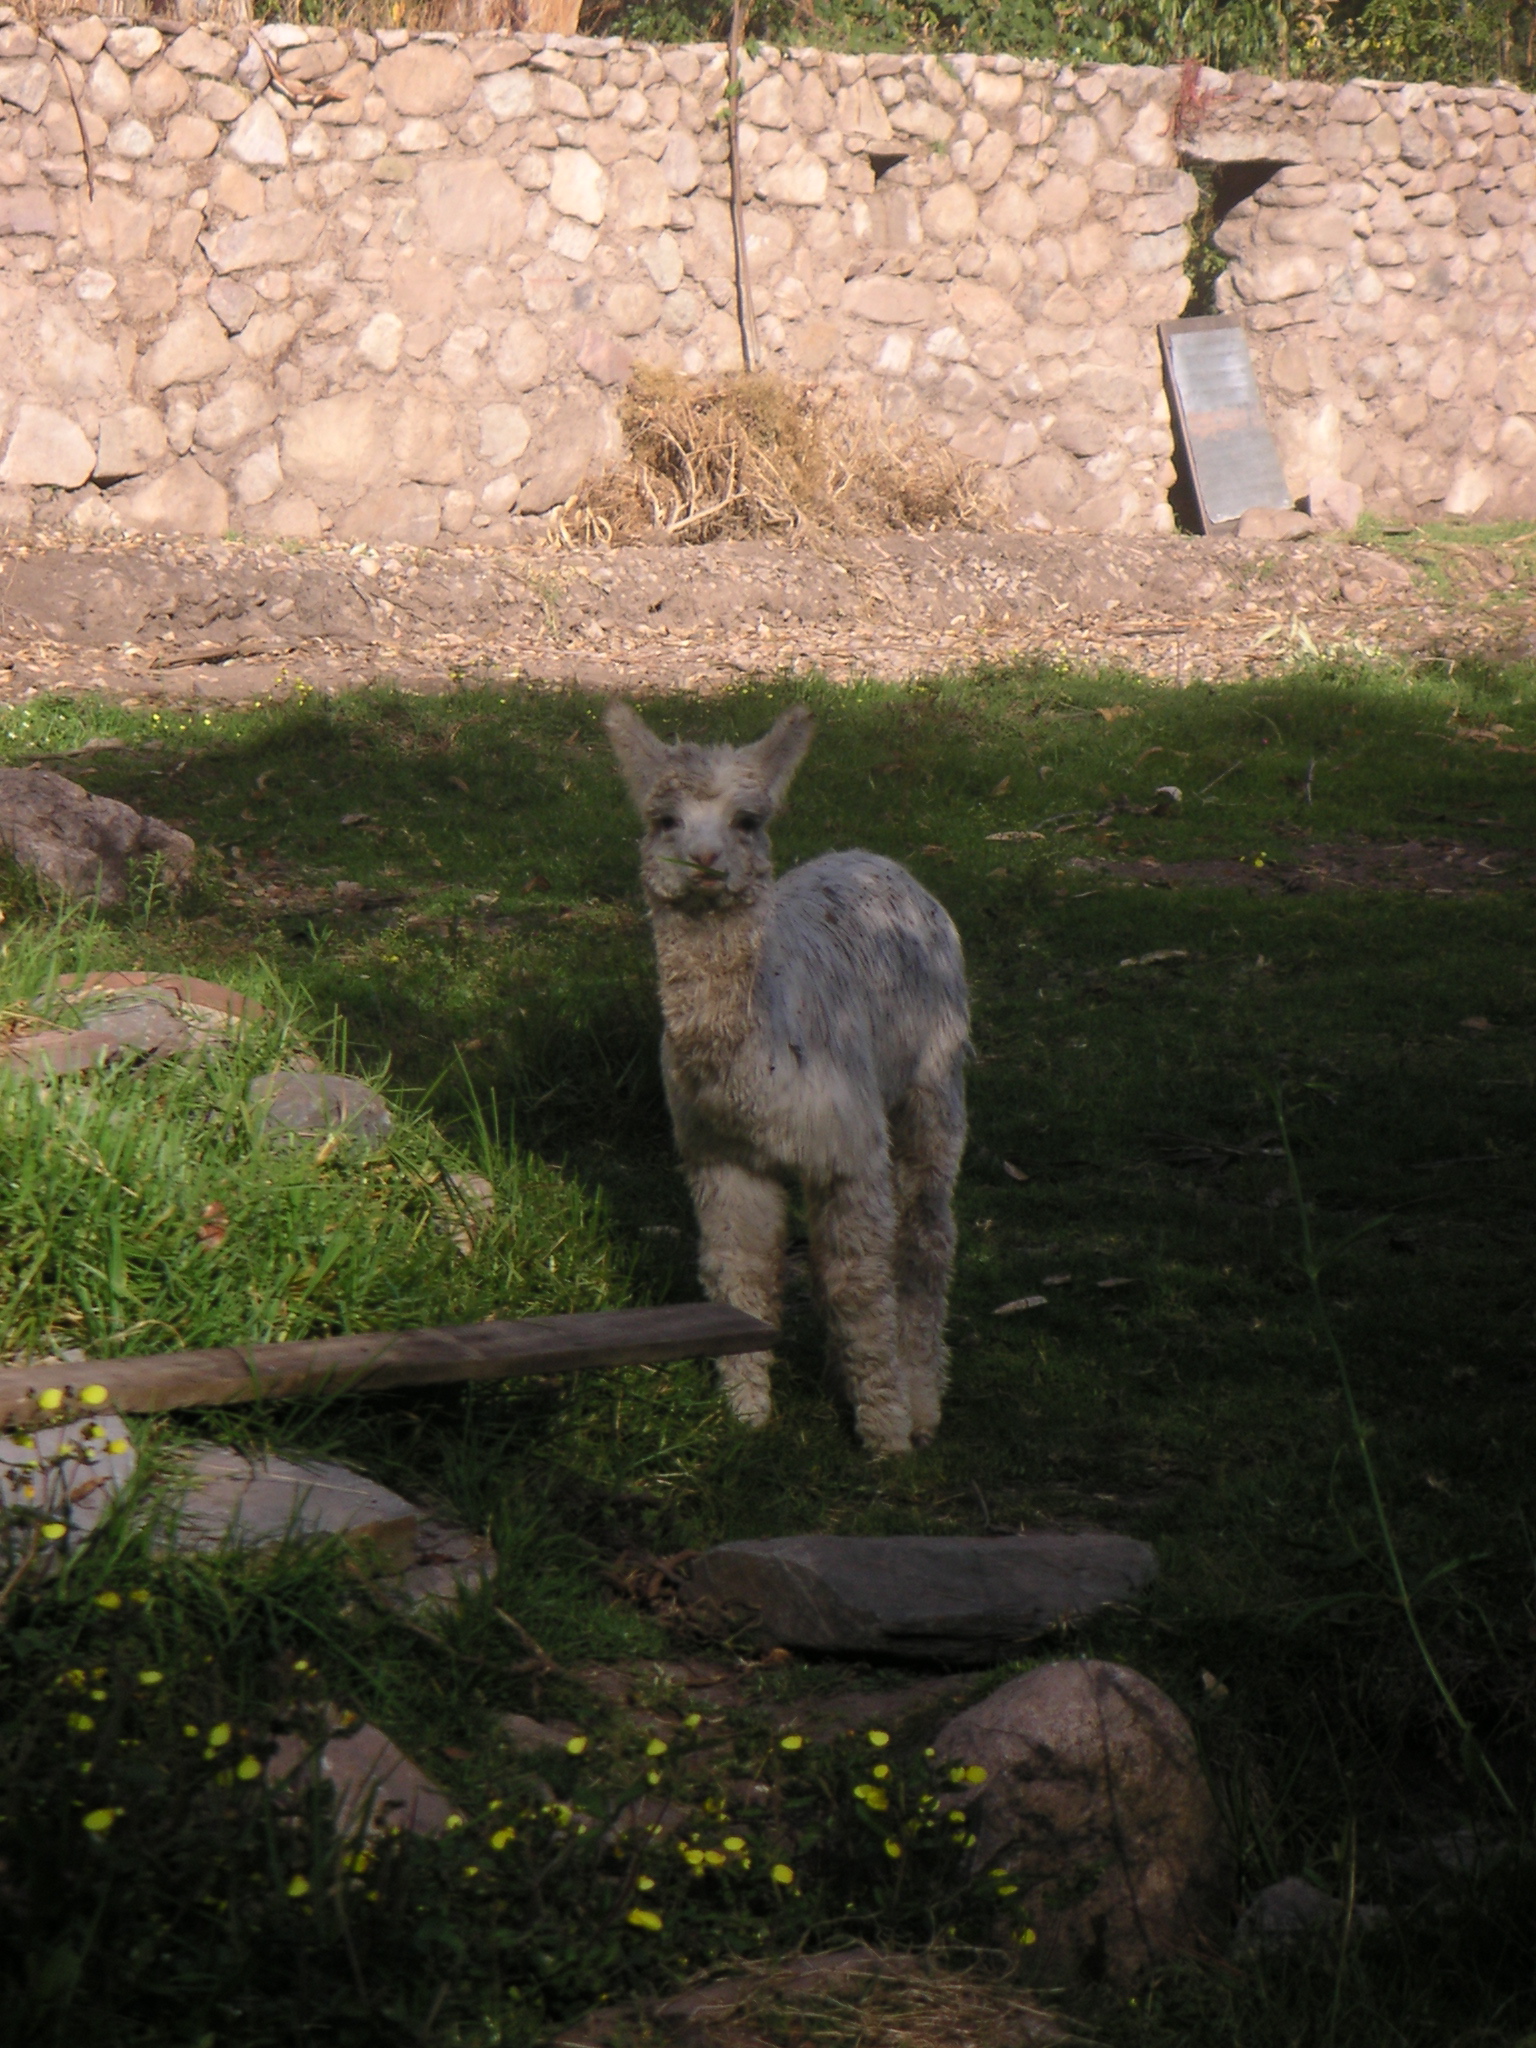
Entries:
{"x":779,"y":753}
{"x":642,"y":756}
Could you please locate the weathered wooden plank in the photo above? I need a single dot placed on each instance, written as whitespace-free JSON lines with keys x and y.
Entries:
{"x":372,"y":1362}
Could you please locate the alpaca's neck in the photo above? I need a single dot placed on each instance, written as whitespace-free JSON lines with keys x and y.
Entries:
{"x":707,"y":967}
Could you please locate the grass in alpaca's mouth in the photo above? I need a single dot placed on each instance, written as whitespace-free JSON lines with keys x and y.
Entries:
{"x":487,"y":935}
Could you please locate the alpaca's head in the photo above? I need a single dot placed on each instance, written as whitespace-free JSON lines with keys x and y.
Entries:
{"x":706,"y":809}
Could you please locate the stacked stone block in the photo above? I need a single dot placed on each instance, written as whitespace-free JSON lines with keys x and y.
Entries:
{"x":1386,"y":273}
{"x":306,"y":281}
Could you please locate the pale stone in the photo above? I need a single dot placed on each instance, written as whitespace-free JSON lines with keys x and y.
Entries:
{"x":663,"y":260}
{"x":522,"y":356}
{"x":1156,"y":212}
{"x":232,"y":303}
{"x":267,"y":334}
{"x":801,"y":181}
{"x":116,"y":229}
{"x":500,"y":495}
{"x":81,"y":39}
{"x":604,"y":360}
{"x":509,"y":95}
{"x":861,"y":112}
{"x":426,"y":443}
{"x":25,"y":84}
{"x":133,"y":48}
{"x":767,"y":105}
{"x":334,"y":441}
{"x":950,"y":214}
{"x":239,"y":409}
{"x":572,"y":239}
{"x":159,"y":91}
{"x":565,"y":451}
{"x":1147,"y":142}
{"x":259,"y":138}
{"x":578,"y":186}
{"x":997,"y":94}
{"x":1516,"y":443}
{"x":46,"y":447}
{"x":131,"y":140}
{"x":1335,"y":503}
{"x":183,"y":499}
{"x":262,"y":243}
{"x":290,"y":516}
{"x":311,"y":144}
{"x":1011,"y":214}
{"x":108,"y":88}
{"x":193,"y":348}
{"x":259,"y":478}
{"x":1470,"y":491}
{"x":379,"y":343}
{"x":681,"y":165}
{"x":237,"y":191}
{"x":405,"y":515}
{"x":94,"y":287}
{"x":191,"y":137}
{"x":632,"y":308}
{"x":1284,"y":277}
{"x":1062,"y":198}
{"x":640,"y":197}
{"x":890,"y":301}
{"x":471,"y":208}
{"x":993,"y":155}
{"x":207,"y":56}
{"x":460,"y":357}
{"x":457,"y":512}
{"x":922,"y":119}
{"x":425,"y":78}
{"x":504,"y":434}
{"x":560,"y":96}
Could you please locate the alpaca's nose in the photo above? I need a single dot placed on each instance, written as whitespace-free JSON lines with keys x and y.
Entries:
{"x":707,"y":857}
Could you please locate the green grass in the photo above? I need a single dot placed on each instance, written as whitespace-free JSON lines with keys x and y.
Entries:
{"x":505,"y":985}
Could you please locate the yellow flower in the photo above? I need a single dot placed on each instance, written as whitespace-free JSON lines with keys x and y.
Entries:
{"x":892,"y":1849}
{"x":1006,"y":1891}
{"x":151,"y":1678}
{"x":782,"y":1874}
{"x":655,"y":1747}
{"x":140,"y":1596}
{"x":471,"y":1870}
{"x":51,"y":1398}
{"x":118,"y":1446}
{"x":975,"y":1774}
{"x":645,"y":1884}
{"x":248,"y":1767}
{"x":297,"y":1887}
{"x":692,"y":1720}
{"x":878,"y":1738}
{"x":641,"y":1916}
{"x":110,"y":1601}
{"x":217,"y":1737}
{"x":735,"y":1844}
{"x":454,"y":1820}
{"x":52,"y":1531}
{"x":1028,"y":1938}
{"x":576,"y":1745}
{"x":694,"y":1857}
{"x":791,"y":1742}
{"x":881,"y":1771}
{"x":93,"y":1395}
{"x":502,"y":1836}
{"x":653,"y":1777}
{"x":714,"y":1858}
{"x":98,"y":1822}
{"x":80,"y":1723}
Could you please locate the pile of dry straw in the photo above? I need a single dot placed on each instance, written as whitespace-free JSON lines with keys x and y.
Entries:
{"x":745,"y":455}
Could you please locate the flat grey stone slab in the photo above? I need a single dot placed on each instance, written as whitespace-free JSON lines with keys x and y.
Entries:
{"x":375,"y":1785}
{"x":67,"y":1473}
{"x":950,"y":1599}
{"x":298,"y":1105}
{"x":232,"y":1498}
{"x":418,"y":1559}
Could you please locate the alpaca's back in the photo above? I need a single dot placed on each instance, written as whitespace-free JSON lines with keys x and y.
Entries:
{"x":862,"y":968}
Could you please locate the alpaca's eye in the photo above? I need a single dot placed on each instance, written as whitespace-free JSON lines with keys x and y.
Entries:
{"x":746,"y":821}
{"x":665,"y":823}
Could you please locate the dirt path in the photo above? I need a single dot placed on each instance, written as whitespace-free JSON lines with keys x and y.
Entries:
{"x":232,"y":621}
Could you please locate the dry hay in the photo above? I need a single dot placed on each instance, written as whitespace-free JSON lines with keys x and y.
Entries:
{"x":739,"y":456}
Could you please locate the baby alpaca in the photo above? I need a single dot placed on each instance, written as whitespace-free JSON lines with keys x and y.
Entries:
{"x":815,"y":1030}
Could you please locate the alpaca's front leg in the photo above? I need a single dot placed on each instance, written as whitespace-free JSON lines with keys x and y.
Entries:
{"x":741,"y":1250}
{"x":852,"y":1241}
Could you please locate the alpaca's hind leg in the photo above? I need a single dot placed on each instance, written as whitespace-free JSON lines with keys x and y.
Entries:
{"x":927,"y":1136}
{"x":741,"y":1249}
{"x":852,"y":1226}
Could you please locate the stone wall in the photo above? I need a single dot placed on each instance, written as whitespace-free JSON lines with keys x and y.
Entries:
{"x":1386,"y":273}
{"x":306,"y":282}
{"x":391,"y":288}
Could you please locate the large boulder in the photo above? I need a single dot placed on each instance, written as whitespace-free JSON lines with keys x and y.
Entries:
{"x":81,"y":844}
{"x":1095,"y":1805}
{"x":951,"y":1599}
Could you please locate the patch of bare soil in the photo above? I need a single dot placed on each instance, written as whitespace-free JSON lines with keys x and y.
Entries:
{"x":149,"y":619}
{"x":1429,"y":867}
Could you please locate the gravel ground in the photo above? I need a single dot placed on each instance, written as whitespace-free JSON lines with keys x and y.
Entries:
{"x":232,"y":621}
